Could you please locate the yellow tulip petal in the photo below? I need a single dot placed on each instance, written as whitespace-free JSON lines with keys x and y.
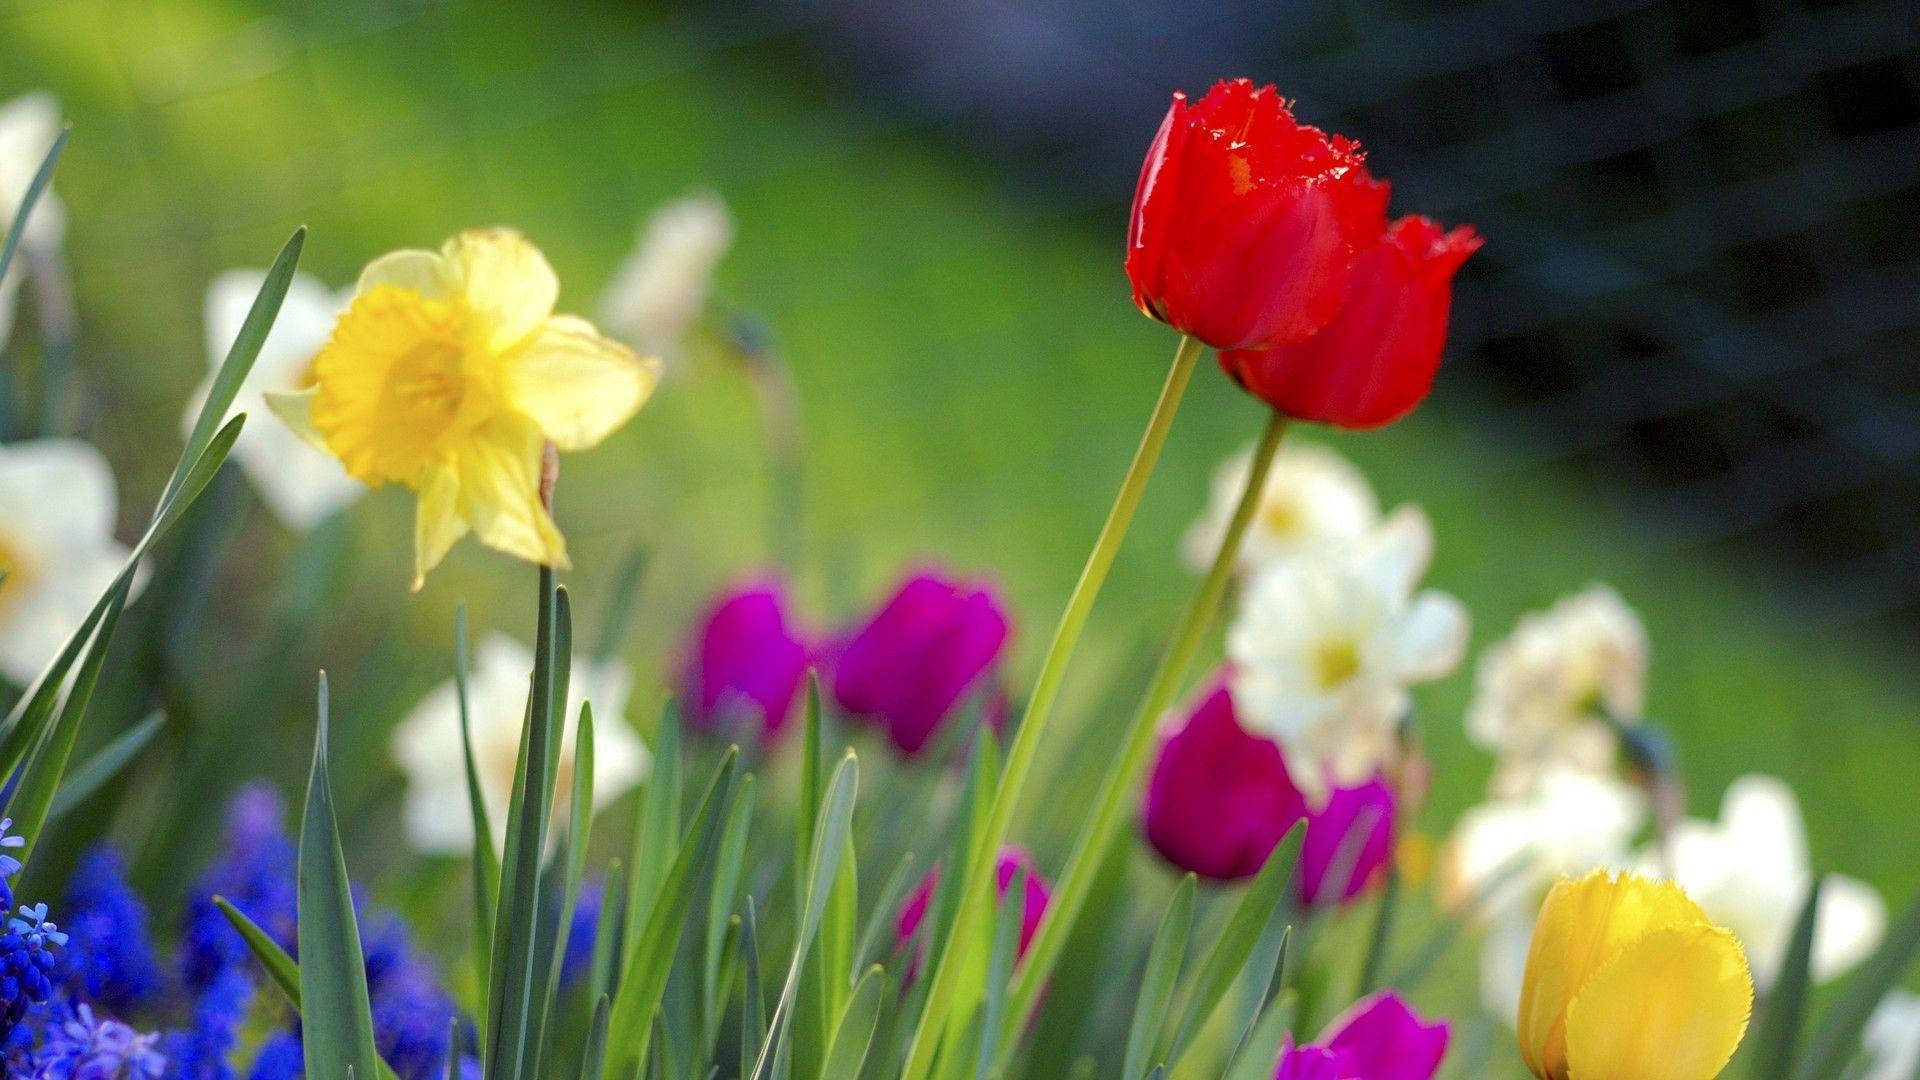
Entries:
{"x":506,"y":282}
{"x":577,"y":385}
{"x":500,"y":494}
{"x":1582,"y":926}
{"x":295,"y":409}
{"x":437,"y":523}
{"x":424,"y":272}
{"x":1672,"y":1005}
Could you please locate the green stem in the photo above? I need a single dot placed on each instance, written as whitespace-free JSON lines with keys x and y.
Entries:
{"x":1123,"y":779}
{"x":976,"y":895}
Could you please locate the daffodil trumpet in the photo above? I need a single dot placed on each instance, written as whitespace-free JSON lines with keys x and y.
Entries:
{"x":450,"y":374}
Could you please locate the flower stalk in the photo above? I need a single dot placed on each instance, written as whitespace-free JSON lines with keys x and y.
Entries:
{"x":977,"y":888}
{"x":1123,"y":779}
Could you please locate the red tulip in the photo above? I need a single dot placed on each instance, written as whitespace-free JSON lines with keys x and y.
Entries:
{"x":1245,"y":220}
{"x":1375,"y":361}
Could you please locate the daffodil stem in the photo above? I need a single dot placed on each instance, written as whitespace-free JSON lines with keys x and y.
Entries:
{"x":976,"y":892}
{"x":1123,"y":779}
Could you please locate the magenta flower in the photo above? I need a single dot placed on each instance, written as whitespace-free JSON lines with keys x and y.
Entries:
{"x":932,"y":642}
{"x":1012,"y":860}
{"x":1219,"y":799}
{"x":745,"y":664}
{"x":1379,"y":1038}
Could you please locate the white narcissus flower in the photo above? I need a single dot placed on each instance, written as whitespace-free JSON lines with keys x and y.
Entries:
{"x":1313,"y":498}
{"x":28,"y":126}
{"x":1324,"y":648}
{"x":1543,"y":695}
{"x":1892,"y":1038}
{"x":299,"y":484}
{"x":1505,"y":854}
{"x":659,"y":291}
{"x":57,"y":510}
{"x":438,"y":817}
{"x":1750,"y":872}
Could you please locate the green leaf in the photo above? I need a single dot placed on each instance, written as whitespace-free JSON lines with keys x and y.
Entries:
{"x":517,"y":989}
{"x":35,"y":188}
{"x":1157,"y":980}
{"x":720,"y":901}
{"x":1777,"y":1040}
{"x":1261,"y":1048}
{"x":658,"y":828}
{"x":486,"y":863}
{"x":886,"y":910}
{"x":853,"y":1035}
{"x":33,"y":799}
{"x":620,"y":603}
{"x":1262,"y":899}
{"x":1002,"y":953}
{"x":281,"y":968}
{"x":609,"y":939}
{"x":579,"y":829}
{"x":239,"y":360}
{"x":1383,"y":912}
{"x":1839,"y":1035}
{"x":592,"y":1061}
{"x":103,"y":765}
{"x":650,"y":952}
{"x":336,"y":1022}
{"x":753,"y":1004}
{"x":822,"y":867}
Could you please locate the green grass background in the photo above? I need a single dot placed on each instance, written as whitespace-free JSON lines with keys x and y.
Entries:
{"x":973,"y":374}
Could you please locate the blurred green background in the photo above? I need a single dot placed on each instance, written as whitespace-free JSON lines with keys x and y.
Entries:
{"x":972,"y":371}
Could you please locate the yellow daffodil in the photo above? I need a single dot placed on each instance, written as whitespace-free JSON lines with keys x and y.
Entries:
{"x":450,"y":373}
{"x":1626,"y":980}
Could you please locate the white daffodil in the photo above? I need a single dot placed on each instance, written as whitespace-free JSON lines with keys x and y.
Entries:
{"x":1892,"y":1038}
{"x":28,"y":126}
{"x":1505,"y":854}
{"x":427,"y":744}
{"x":1543,"y":695}
{"x":659,"y":291}
{"x":1749,"y":872}
{"x":1324,"y":648}
{"x":1313,"y":498}
{"x":299,"y":484}
{"x":57,"y":510}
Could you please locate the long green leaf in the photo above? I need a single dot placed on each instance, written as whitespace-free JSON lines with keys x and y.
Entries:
{"x":658,"y":828}
{"x":1839,"y":1034}
{"x":593,"y":1060}
{"x":720,"y":902}
{"x":103,"y":766}
{"x":516,"y":991}
{"x":1157,"y":980}
{"x":336,"y":1021}
{"x":48,"y":762}
{"x":753,"y":1003}
{"x":823,"y":866}
{"x":281,"y":968}
{"x":1262,"y":899}
{"x":853,"y":1035}
{"x":886,"y":910}
{"x":1384,"y":910}
{"x":1776,"y":1043}
{"x":486,"y":862}
{"x":579,"y":829}
{"x":1002,"y":953}
{"x":651,"y":949}
{"x":1257,"y":1054}
{"x":42,"y":177}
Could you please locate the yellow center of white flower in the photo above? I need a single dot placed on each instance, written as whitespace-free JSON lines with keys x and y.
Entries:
{"x":16,"y":574}
{"x":1335,"y":660}
{"x":1280,"y":516}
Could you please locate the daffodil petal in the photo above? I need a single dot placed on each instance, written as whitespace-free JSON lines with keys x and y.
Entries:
{"x":424,"y":272}
{"x":295,"y":409}
{"x":1853,"y":919}
{"x":500,"y":495}
{"x":1672,"y":1005}
{"x":1432,"y":638}
{"x":1395,"y":554}
{"x":577,"y":385}
{"x":505,"y":281}
{"x":437,"y":523}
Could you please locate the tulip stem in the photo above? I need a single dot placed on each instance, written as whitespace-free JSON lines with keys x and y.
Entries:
{"x":976,"y":897}
{"x":1123,"y":779}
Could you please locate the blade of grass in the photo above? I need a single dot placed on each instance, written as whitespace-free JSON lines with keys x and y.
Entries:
{"x":48,"y":762}
{"x":753,"y":1003}
{"x":1839,"y":1034}
{"x":486,"y":862}
{"x":1002,"y":953}
{"x":103,"y":766}
{"x":853,"y":1035}
{"x":1383,"y":914}
{"x":1157,"y":980}
{"x":657,"y":828}
{"x":886,"y":910}
{"x":720,"y":900}
{"x":336,"y":1020}
{"x":42,"y":177}
{"x":651,"y":950}
{"x":822,"y":868}
{"x":1777,"y":1042}
{"x":579,"y":829}
{"x":593,"y":1060}
{"x":1257,"y":1054}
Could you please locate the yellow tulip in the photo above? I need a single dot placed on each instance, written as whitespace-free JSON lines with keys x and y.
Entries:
{"x":450,"y":373}
{"x":1626,"y":980}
